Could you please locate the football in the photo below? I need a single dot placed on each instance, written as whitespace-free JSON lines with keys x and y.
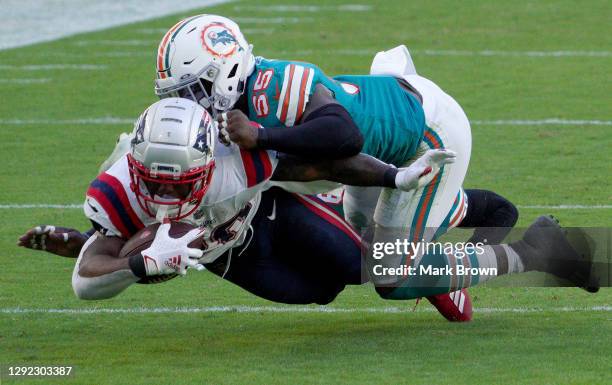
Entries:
{"x":143,"y":239}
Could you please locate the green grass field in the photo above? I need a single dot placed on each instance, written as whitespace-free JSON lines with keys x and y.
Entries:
{"x":520,"y":335}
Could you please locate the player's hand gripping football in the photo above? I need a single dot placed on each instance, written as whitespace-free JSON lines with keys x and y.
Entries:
{"x":236,"y":126}
{"x":423,"y":170}
{"x":168,"y":255}
{"x":61,"y":241}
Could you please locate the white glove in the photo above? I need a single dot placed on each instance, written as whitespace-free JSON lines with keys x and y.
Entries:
{"x":222,"y":127}
{"x":423,"y":170}
{"x":168,"y":255}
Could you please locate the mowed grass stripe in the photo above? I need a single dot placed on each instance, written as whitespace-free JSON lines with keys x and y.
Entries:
{"x":511,"y":122}
{"x":20,"y":206}
{"x":295,"y":309}
{"x":414,"y":51}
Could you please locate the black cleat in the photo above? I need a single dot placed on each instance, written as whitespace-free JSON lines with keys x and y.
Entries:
{"x":565,"y":253}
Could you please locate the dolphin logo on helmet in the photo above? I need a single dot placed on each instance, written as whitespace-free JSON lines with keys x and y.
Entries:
{"x":223,"y":37}
{"x":204,"y":58}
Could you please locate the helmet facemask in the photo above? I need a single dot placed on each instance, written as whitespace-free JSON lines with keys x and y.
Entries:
{"x":190,"y":188}
{"x":198,"y":88}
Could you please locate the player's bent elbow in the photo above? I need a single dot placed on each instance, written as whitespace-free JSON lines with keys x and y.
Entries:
{"x":85,"y":289}
{"x":352,"y":146}
{"x":329,"y":296}
{"x":385,"y":292}
{"x":102,"y":287}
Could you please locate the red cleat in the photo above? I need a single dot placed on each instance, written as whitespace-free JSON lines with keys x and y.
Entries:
{"x":455,"y":306}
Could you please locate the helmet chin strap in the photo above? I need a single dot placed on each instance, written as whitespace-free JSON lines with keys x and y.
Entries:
{"x":165,"y":213}
{"x":204,"y":102}
{"x":162,"y":213}
{"x":246,"y":61}
{"x":248,"y":70}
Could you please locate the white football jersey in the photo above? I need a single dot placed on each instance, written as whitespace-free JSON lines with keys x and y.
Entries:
{"x":225,"y":213}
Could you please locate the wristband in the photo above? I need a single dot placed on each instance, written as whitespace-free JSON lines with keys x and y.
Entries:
{"x":389,"y":177}
{"x":137,"y":265}
{"x":262,"y":138}
{"x":89,"y":233}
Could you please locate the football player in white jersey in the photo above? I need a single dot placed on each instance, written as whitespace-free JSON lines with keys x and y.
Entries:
{"x":176,"y":170}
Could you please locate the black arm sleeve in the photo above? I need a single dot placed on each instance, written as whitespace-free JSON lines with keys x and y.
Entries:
{"x":356,"y":170}
{"x":328,"y":132}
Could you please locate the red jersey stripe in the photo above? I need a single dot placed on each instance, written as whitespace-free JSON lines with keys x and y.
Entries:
{"x":120,"y":191}
{"x":249,"y":167}
{"x":285,"y":110}
{"x":110,"y":210}
{"x":302,"y":95}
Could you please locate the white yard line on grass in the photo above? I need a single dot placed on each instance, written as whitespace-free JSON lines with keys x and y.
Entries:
{"x":247,"y":31}
{"x":567,"y":207}
{"x":304,"y":8}
{"x":430,"y":52}
{"x":79,"y":206}
{"x":296,"y":310}
{"x":487,"y":52}
{"x":342,"y":52}
{"x":258,"y":31}
{"x":131,"y":54}
{"x":542,"y":122}
{"x":41,"y":206}
{"x":83,"y":121}
{"x":47,"y":67}
{"x":122,"y":43}
{"x":119,"y":120}
{"x":272,"y":20}
{"x":153,"y":31}
{"x":25,"y":81}
{"x":29,"y":21}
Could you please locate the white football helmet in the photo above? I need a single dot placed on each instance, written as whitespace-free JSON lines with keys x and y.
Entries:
{"x":204,"y":58}
{"x":173,"y":144}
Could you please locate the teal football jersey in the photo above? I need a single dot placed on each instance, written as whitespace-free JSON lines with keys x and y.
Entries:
{"x":392,"y":120}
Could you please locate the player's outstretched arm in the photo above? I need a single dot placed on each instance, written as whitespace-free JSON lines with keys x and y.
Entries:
{"x":62,"y":241}
{"x":326,"y":130}
{"x":100,"y":273}
{"x":364,"y":170}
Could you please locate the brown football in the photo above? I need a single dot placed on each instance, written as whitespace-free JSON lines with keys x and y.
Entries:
{"x":143,"y":239}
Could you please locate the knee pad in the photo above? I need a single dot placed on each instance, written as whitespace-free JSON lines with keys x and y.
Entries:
{"x":385,"y":292}
{"x":328,"y":297}
{"x":488,"y":209}
{"x":492,"y":215}
{"x":508,"y":212}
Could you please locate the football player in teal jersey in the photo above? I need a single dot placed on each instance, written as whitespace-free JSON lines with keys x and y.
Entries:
{"x":392,"y":114}
{"x":377,"y":115}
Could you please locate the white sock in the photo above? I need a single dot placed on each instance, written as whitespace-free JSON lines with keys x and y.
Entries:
{"x":501,"y":257}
